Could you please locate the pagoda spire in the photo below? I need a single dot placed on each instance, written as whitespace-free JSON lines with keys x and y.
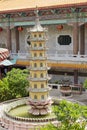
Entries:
{"x":37,"y":22}
{"x":37,"y":26}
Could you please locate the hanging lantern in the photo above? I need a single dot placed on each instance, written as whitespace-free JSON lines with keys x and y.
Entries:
{"x":59,"y":27}
{"x":20,"y":28}
{"x":86,"y":25}
{"x":1,"y":29}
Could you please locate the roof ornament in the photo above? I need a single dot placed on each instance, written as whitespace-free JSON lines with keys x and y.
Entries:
{"x":37,"y":26}
{"x":37,"y":22}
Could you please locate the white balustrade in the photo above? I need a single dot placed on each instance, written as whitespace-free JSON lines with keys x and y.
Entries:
{"x":67,"y":58}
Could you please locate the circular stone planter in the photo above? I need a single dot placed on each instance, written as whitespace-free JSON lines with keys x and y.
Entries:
{"x":9,"y":121}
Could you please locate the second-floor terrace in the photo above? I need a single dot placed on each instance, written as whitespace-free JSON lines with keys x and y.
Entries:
{"x":55,"y":60}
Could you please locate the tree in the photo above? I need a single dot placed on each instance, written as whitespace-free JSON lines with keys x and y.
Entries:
{"x":18,"y":82}
{"x":14,"y":84}
{"x":85,"y":84}
{"x":4,"y":90}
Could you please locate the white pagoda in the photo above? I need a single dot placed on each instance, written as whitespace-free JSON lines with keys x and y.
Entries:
{"x":39,"y":98}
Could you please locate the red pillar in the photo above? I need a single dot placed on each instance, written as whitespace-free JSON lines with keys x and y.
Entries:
{"x":75,"y":38}
{"x":9,"y":46}
{"x":17,"y":39}
{"x":75,"y":76}
{"x":75,"y":47}
{"x":82,"y":39}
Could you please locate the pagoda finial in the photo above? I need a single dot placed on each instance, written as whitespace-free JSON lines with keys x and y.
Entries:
{"x":36,"y":11}
{"x":37,"y":22}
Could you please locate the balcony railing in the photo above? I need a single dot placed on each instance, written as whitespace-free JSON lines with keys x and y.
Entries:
{"x":39,"y":68}
{"x":38,"y":39}
{"x":39,"y":79}
{"x":38,"y":58}
{"x":38,"y":48}
{"x":67,"y":58}
{"x":40,"y":89}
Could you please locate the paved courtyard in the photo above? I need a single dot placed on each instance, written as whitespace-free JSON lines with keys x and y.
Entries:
{"x":75,"y":97}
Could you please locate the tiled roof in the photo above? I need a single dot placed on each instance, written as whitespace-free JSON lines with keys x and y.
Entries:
{"x":9,"y":5}
{"x":4,"y":53}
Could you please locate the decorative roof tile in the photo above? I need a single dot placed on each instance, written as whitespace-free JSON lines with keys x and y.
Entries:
{"x":10,"y":5}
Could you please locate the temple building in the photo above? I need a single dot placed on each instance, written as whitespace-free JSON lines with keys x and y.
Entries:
{"x":67,"y":25}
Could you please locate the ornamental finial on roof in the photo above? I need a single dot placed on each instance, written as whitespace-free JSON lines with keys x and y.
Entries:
{"x":37,"y":26}
{"x":37,"y":22}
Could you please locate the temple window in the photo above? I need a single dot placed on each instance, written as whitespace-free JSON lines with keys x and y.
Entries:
{"x":39,"y":35}
{"x":35,"y":96}
{"x":41,"y":64}
{"x":42,"y":85}
{"x":35,"y":45}
{"x":64,"y":40}
{"x":41,"y":54}
{"x":35,"y":85}
{"x":35,"y":64}
{"x":41,"y":75}
{"x":35,"y":54}
{"x":35,"y":75}
{"x":42,"y":96}
{"x":40,"y":44}
{"x":35,"y":35}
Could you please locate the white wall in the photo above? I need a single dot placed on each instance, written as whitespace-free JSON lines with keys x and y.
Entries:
{"x":53,"y":33}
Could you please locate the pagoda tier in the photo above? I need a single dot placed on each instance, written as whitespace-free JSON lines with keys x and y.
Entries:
{"x":40,"y":79}
{"x":38,"y":58}
{"x":38,"y":48}
{"x":33,"y":39}
{"x":39,"y":91}
{"x":38,"y":68}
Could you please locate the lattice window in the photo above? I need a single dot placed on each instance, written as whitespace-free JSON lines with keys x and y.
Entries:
{"x":64,"y":40}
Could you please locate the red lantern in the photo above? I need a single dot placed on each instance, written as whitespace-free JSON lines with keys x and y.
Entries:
{"x":86,"y":25}
{"x":60,"y":27}
{"x":20,"y":28}
{"x":1,"y":29}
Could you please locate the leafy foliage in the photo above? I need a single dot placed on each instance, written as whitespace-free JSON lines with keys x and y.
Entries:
{"x":4,"y":90}
{"x":14,"y":84}
{"x":73,"y":111}
{"x":85,"y":84}
{"x":68,"y":114}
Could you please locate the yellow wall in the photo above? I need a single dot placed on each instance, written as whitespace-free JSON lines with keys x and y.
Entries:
{"x":37,"y":34}
{"x":37,"y":53}
{"x":37,"y":44}
{"x":38,"y":84}
{"x":38,"y":73}
{"x":55,"y":65}
{"x":38,"y":95}
{"x":38,"y":63}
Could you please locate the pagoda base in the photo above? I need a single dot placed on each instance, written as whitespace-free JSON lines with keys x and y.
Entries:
{"x":43,"y":111}
{"x":40,"y":107}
